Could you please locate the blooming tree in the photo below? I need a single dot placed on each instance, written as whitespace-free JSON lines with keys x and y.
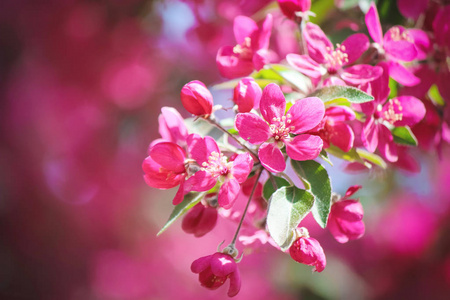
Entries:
{"x":354,"y":101}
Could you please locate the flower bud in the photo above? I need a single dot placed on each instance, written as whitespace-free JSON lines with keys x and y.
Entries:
{"x":308,"y":251}
{"x":290,"y":7}
{"x":199,"y":220}
{"x":345,"y":220}
{"x":196,"y":98}
{"x":215,"y":269}
{"x":247,"y":94}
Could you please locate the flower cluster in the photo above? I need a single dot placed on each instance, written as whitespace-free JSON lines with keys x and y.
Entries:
{"x":359,"y":101}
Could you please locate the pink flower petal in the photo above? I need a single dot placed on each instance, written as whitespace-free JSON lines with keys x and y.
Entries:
{"x":271,"y":158}
{"x":242,"y":165}
{"x":304,"y":147}
{"x":230,"y":65}
{"x":260,"y":59}
{"x":351,"y":190}
{"x":409,"y":108}
{"x":273,"y":103}
{"x":244,"y":27}
{"x":361,"y":74}
{"x":340,"y":113}
{"x":304,"y":64}
{"x":401,"y":50}
{"x":228,"y":193}
{"x":317,"y":42}
{"x":373,"y":24}
{"x":154,"y":177}
{"x":369,"y":135}
{"x":355,"y":45}
{"x":199,"y":220}
{"x":342,"y":136}
{"x":169,"y":155}
{"x":201,"y":181}
{"x":247,"y":94}
{"x":349,"y":210}
{"x":335,"y":230}
{"x":264,"y":34}
{"x":306,"y":114}
{"x":402,"y":75}
{"x":235,"y":284}
{"x":386,"y":144}
{"x":171,"y":126}
{"x":421,"y":42}
{"x":222,"y":265}
{"x":201,"y":264}
{"x":252,"y":128}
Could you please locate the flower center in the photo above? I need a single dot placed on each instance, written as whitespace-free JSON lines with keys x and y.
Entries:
{"x":217,"y":165}
{"x":397,"y":36}
{"x":336,"y":58}
{"x":280,"y":127}
{"x":391,"y":115}
{"x":244,"y":50}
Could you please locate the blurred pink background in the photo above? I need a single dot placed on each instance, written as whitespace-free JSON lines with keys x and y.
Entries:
{"x":81,"y":87}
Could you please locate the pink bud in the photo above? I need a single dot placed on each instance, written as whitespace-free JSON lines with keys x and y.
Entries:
{"x":309,"y":252}
{"x":196,"y":98}
{"x":345,"y":220}
{"x":289,"y":7}
{"x":215,"y":269}
{"x":247,"y":94}
{"x":200,"y":220}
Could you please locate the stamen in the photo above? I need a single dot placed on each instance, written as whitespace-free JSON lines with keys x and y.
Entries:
{"x":390,"y":114}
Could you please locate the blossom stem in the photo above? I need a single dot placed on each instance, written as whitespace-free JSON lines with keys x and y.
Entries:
{"x":246,"y":207}
{"x":214,"y":123}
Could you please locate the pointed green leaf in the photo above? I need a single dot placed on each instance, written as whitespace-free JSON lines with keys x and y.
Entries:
{"x":372,"y":157}
{"x":435,"y":96}
{"x":404,"y":135}
{"x":288,"y":206}
{"x":320,"y":183}
{"x":352,"y":94}
{"x":269,"y":189}
{"x":324,"y":155}
{"x":189,"y":201}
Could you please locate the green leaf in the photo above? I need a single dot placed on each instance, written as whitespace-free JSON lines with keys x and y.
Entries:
{"x":372,"y":157}
{"x":189,"y":201}
{"x":352,"y":94}
{"x":324,"y":155}
{"x":338,"y":102}
{"x":393,"y":86}
{"x":288,"y":206}
{"x":269,"y":189}
{"x":435,"y":96}
{"x":320,"y":182}
{"x":404,"y":135}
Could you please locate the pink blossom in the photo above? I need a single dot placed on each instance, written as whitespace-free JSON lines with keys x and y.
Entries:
{"x":199,"y":220}
{"x":275,"y":129}
{"x":323,"y":58}
{"x":398,"y":44}
{"x":216,"y":167}
{"x":215,"y":269}
{"x":251,"y":51}
{"x":247,"y":94}
{"x":171,"y":127}
{"x":308,"y":251}
{"x":345,"y":219}
{"x":399,"y":111}
{"x":196,"y":98}
{"x":334,"y":130}
{"x":164,"y":168}
{"x":290,"y":7}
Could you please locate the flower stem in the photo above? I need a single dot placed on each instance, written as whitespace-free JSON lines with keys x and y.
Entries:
{"x":214,"y":123}
{"x":246,"y":207}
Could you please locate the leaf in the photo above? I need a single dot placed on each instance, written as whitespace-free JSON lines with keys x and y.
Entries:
{"x":372,"y":157}
{"x":435,"y":96}
{"x":288,"y":206}
{"x":269,"y":189}
{"x":338,"y":102}
{"x":320,"y":182}
{"x":350,"y":156}
{"x":352,"y":94}
{"x":404,"y":135}
{"x":189,"y":201}
{"x":324,"y":155}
